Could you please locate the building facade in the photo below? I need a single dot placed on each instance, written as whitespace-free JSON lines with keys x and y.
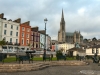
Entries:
{"x":24,"y":39}
{"x":48,"y":42}
{"x":35,"y":38}
{"x":54,"y":45}
{"x":93,"y":50}
{"x":42,"y":41}
{"x":68,"y":37}
{"x":9,"y":31}
{"x":65,"y":46}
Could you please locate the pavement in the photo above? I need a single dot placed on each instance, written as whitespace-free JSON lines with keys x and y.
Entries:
{"x":91,"y":69}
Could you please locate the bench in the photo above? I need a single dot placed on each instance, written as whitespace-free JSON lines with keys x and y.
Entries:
{"x":47,"y":57}
{"x":2,"y":57}
{"x":24,"y":57}
{"x":61,"y":57}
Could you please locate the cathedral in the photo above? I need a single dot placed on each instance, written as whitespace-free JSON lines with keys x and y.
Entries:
{"x":68,"y":37}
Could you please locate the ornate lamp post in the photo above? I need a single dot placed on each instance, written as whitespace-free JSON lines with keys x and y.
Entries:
{"x":44,"y":56}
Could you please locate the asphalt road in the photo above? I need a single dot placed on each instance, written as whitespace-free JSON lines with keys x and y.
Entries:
{"x":92,"y":69}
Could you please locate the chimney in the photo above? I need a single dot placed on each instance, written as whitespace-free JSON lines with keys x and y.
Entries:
{"x":1,"y":15}
{"x":17,"y":20}
{"x":34,"y":29}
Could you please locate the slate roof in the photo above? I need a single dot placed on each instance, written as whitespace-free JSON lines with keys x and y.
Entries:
{"x":96,"y":46}
{"x":69,"y":34}
{"x":76,"y":49}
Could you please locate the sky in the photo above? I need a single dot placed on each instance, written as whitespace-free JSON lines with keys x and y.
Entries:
{"x":79,"y":15}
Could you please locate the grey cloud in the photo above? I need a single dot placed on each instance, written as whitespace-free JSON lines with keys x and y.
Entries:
{"x":35,"y":11}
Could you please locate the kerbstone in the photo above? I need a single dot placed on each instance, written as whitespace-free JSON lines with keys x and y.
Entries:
{"x":37,"y":66}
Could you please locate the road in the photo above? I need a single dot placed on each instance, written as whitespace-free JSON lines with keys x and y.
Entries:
{"x":92,"y":69}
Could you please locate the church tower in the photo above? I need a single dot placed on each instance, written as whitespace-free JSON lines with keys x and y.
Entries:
{"x":61,"y":32}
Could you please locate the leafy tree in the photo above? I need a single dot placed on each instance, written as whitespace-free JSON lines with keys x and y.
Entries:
{"x":59,"y":53}
{"x":3,"y":42}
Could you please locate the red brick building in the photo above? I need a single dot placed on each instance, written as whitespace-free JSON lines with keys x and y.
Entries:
{"x":24,"y":38}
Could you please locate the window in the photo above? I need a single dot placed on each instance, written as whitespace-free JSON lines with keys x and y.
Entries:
{"x":23,"y":28}
{"x":27,"y":36}
{"x":11,"y":26}
{"x":27,"y":42}
{"x":22,"y":41}
{"x":11,"y":32}
{"x":5,"y":32}
{"x":5,"y":38}
{"x":16,"y":40}
{"x":17,"y":28}
{"x":10,"y":39}
{"x":97,"y":50}
{"x":93,"y":51}
{"x":22,"y":34}
{"x":5,"y":25}
{"x":16,"y":33}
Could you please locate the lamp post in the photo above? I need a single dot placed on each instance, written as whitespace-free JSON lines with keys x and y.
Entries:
{"x":44,"y":57}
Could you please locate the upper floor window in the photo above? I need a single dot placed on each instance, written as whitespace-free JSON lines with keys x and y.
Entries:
{"x":23,"y":29}
{"x":17,"y":28}
{"x":16,"y":33}
{"x":11,"y":32}
{"x":27,"y":42}
{"x":4,"y":38}
{"x":16,"y":40}
{"x":5,"y":31}
{"x":5,"y":25}
{"x":27,"y":35}
{"x":11,"y":26}
{"x":22,"y":34}
{"x":22,"y":41}
{"x":10,"y":39}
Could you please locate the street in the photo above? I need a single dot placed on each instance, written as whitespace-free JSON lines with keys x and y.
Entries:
{"x":92,"y":69}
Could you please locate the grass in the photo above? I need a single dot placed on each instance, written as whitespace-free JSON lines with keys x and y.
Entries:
{"x":10,"y":59}
{"x":13,"y":59}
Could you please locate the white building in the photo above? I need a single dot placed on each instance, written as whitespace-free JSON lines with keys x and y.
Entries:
{"x":65,"y":46}
{"x":42,"y":39}
{"x":93,"y":50}
{"x":9,"y":30}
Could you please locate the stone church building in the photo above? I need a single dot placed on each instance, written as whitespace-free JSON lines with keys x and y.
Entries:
{"x":68,"y":37}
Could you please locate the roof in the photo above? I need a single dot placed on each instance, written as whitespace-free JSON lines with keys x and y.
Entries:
{"x":96,"y":46}
{"x":76,"y":49}
{"x":69,"y":34}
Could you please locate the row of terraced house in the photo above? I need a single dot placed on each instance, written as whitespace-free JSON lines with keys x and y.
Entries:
{"x":21,"y":35}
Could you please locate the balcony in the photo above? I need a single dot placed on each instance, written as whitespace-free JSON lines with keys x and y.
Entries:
{"x":15,"y":44}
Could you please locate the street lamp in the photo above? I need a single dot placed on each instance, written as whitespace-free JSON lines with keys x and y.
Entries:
{"x":44,"y":56}
{"x":45,"y":21}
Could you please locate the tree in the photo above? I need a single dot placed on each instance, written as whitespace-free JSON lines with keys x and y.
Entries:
{"x":59,"y":54}
{"x":3,"y":42}
{"x":94,"y":39}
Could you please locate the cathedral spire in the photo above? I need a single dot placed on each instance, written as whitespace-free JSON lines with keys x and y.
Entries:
{"x":62,"y":14}
{"x":62,"y":17}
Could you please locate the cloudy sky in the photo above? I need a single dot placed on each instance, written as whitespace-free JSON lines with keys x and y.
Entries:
{"x":80,"y":15}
